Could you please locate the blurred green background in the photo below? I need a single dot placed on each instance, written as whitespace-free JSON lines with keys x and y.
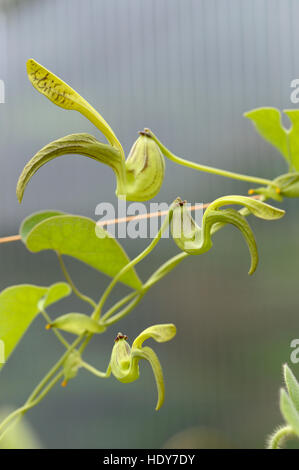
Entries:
{"x":187,"y":69}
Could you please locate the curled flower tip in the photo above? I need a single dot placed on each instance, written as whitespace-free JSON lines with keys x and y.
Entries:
{"x":145,"y":132}
{"x":64,"y":383}
{"x":48,"y":326}
{"x":120,"y":336}
{"x":179,"y":202}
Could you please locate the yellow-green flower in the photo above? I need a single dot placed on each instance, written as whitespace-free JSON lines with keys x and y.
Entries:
{"x":124,"y":363}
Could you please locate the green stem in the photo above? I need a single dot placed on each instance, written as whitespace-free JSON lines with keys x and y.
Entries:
{"x":115,"y":307}
{"x":164,"y":269}
{"x":37,"y":392}
{"x":119,"y":304}
{"x":76,"y":291}
{"x":53,"y":370}
{"x":23,"y":409}
{"x":118,"y":316}
{"x":55,"y":331}
{"x":94,"y":371}
{"x":205,"y":168}
{"x":97,"y":312}
{"x":282,"y":433}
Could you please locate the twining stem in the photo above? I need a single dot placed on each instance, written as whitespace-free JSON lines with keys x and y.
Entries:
{"x":38,"y":393}
{"x":42,"y":388}
{"x":76,"y":291}
{"x":104,"y":320}
{"x":54,"y":369}
{"x":205,"y":168}
{"x":55,"y":331}
{"x":97,"y":312}
{"x":122,"y":313}
{"x":281,"y":434}
{"x":118,"y":304}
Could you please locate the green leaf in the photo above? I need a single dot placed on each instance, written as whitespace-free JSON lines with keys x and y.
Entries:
{"x":76,"y":323}
{"x":293,"y":134}
{"x":79,"y":237}
{"x":34,"y":219}
{"x":267,"y":122}
{"x":19,"y":306}
{"x":289,"y":411}
{"x":54,"y":293}
{"x":292,"y":385}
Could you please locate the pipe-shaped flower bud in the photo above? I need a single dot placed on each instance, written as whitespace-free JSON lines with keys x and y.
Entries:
{"x":124,"y":361}
{"x":145,"y":167}
{"x":71,"y":366}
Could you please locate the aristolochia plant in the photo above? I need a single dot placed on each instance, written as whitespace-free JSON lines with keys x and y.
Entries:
{"x":139,"y":178}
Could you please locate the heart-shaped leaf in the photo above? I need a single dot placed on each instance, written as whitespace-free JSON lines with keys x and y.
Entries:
{"x":293,"y":136}
{"x":268,"y":124}
{"x":82,"y":239}
{"x":54,"y":293}
{"x":19,"y":306}
{"x":34,"y":219}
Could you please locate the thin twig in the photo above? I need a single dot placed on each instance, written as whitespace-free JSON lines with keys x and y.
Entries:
{"x":121,"y":220}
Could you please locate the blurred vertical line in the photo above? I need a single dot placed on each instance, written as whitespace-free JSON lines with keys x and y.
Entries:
{"x":4,"y":79}
{"x":130,"y":101}
{"x":294,"y":12}
{"x":195,"y":128}
{"x":206,"y":81}
{"x":170,"y":128}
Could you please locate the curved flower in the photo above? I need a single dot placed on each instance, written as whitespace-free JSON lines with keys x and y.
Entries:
{"x":196,"y":240}
{"x":124,"y":363}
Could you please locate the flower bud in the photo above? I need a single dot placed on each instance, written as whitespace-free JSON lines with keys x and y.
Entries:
{"x":76,"y":323}
{"x":186,"y":233}
{"x":288,"y":184}
{"x":145,"y":167}
{"x":121,"y":359}
{"x":71,"y":366}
